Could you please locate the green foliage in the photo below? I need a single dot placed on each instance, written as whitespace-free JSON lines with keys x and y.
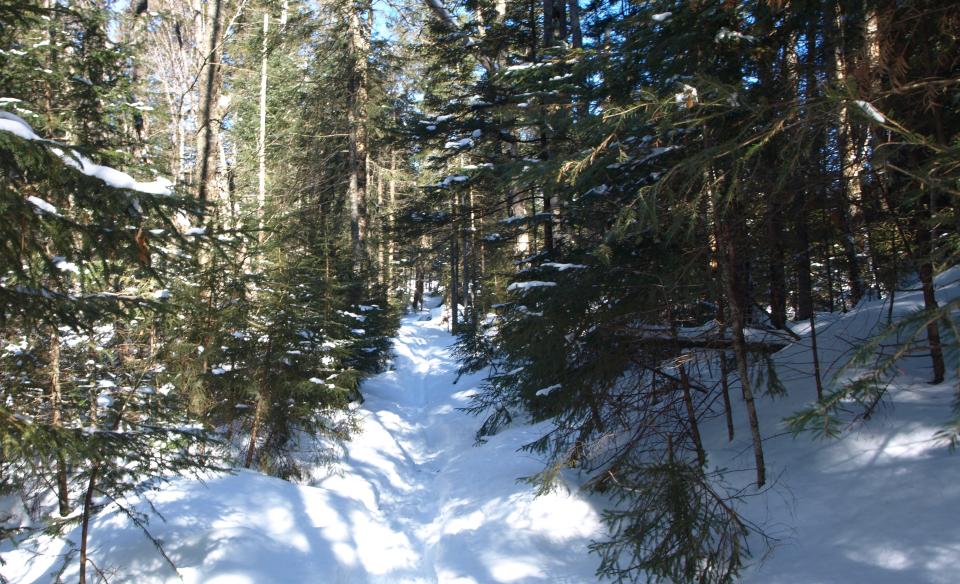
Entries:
{"x":671,"y":525}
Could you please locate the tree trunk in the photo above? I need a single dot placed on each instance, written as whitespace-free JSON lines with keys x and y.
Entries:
{"x":576,"y":34}
{"x":926,"y":272}
{"x":517,"y":208}
{"x":210,"y":86}
{"x":391,"y":202}
{"x":849,"y":198}
{"x":454,"y":278}
{"x":802,"y":264}
{"x":56,"y":420}
{"x":692,"y":416}
{"x":777,"y":273}
{"x":548,"y":23}
{"x":817,"y":377}
{"x":381,"y":271}
{"x":357,"y":121}
{"x":258,"y":416}
{"x":85,"y":521}
{"x":262,"y":136}
{"x":729,"y":230}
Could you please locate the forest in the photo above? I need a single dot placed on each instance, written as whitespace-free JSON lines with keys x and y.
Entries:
{"x":225,"y":220}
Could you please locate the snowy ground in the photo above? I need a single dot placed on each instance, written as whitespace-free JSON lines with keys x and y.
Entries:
{"x":417,"y":502}
{"x":877,"y":506}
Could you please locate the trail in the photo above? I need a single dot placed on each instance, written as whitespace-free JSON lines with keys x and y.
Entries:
{"x":454,"y":512}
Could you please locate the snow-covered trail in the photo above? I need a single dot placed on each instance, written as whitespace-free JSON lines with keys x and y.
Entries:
{"x":414,"y":501}
{"x":452,"y":512}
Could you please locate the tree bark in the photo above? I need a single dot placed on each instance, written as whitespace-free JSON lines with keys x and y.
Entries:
{"x":729,"y":230}
{"x":576,"y":33}
{"x":391,"y":205}
{"x":454,"y":278}
{"x":262,"y":136}
{"x":925,"y":250}
{"x":210,"y":86}
{"x":357,"y":121}
{"x":777,"y":273}
{"x":849,"y":198}
{"x":56,"y":420}
{"x":692,"y":416}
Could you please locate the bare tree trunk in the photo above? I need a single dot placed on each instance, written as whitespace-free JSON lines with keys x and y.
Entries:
{"x":576,"y":33}
{"x":454,"y":270}
{"x":357,"y":121}
{"x":56,"y":420}
{"x":729,"y":231}
{"x":381,"y":271}
{"x":85,"y":521}
{"x":210,"y":86}
{"x":692,"y":416}
{"x":258,"y":416}
{"x":262,"y":136}
{"x":802,"y":263}
{"x":391,"y":202}
{"x":548,"y":24}
{"x":517,"y":208}
{"x":817,"y":377}
{"x":777,"y":273}
{"x":925,"y":251}
{"x":849,"y":199}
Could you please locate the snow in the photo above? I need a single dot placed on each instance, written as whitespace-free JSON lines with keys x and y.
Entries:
{"x":598,"y":190}
{"x":104,"y":400}
{"x":563,"y":267}
{"x":111,"y":176}
{"x":195,"y":231}
{"x":725,"y":34}
{"x":63,"y":265}
{"x":687,"y":97}
{"x":459,"y":144}
{"x":871,"y":112}
{"x":15,"y":125}
{"x":42,"y":206}
{"x":522,"y":66}
{"x":449,"y":180}
{"x":870,"y":506}
{"x":114,"y":178}
{"x":548,"y":390}
{"x":661,"y":16}
{"x":414,"y":502}
{"x":523,"y":286}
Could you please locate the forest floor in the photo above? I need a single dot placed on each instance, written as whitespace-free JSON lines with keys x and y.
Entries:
{"x":416,"y":501}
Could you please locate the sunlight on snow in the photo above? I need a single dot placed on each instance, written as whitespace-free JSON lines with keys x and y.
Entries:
{"x":380,"y":548}
{"x":913,"y":442}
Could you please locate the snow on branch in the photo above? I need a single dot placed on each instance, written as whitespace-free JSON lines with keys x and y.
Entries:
{"x":15,"y":125}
